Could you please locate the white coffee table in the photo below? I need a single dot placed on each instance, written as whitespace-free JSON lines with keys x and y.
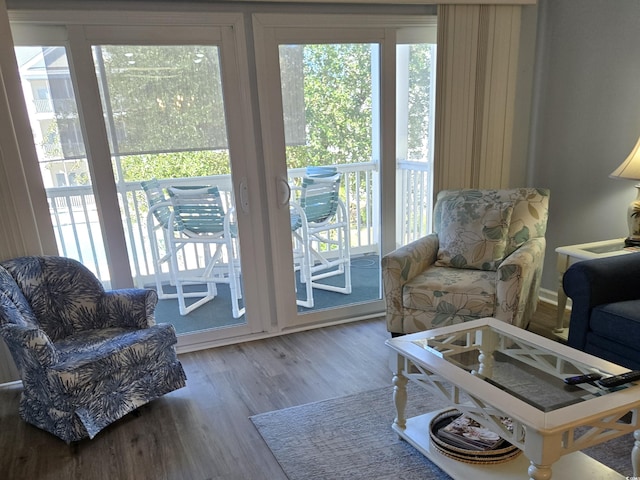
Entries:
{"x":489,"y":369}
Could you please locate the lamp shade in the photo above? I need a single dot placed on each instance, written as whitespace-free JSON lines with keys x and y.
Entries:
{"x":630,"y":168}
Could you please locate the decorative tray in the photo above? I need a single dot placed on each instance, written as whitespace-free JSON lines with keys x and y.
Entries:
{"x":502,"y":452}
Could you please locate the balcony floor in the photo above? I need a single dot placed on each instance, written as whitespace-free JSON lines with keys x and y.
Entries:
{"x":365,"y":281}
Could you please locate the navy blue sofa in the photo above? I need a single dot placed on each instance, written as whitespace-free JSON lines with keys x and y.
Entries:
{"x":605,"y":316}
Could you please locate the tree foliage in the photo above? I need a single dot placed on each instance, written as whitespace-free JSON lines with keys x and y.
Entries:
{"x":162,"y":98}
{"x":338,"y":106}
{"x":200,"y":163}
{"x":421,"y":70}
{"x":168,"y":117}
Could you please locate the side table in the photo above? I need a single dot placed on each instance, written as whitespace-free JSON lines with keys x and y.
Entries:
{"x":574,"y":253}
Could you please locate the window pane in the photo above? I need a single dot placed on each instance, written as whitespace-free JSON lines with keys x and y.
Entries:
{"x":53,"y":114}
{"x":161,"y":98}
{"x":166,"y":125}
{"x":329,"y":90}
{"x":415,"y":106}
{"x":337,"y":102}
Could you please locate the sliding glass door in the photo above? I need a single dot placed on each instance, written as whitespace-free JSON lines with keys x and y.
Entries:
{"x":157,"y":178}
{"x":335,"y":245}
{"x":334,"y":175}
{"x":165,"y":115}
{"x":151,"y":105}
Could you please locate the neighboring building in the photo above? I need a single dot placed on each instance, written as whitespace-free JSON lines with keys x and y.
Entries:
{"x":48,"y":93}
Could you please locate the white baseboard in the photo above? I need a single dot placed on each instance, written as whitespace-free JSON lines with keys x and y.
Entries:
{"x":551,"y":296}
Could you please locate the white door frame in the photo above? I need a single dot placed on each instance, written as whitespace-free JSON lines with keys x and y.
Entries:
{"x":271,"y":30}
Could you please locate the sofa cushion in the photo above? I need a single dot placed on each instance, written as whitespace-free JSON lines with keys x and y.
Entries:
{"x":473,"y":234}
{"x":618,"y":321}
{"x":625,"y":355}
{"x":452,"y":292}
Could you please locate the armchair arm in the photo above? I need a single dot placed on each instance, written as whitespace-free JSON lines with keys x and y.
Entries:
{"x":30,"y":347}
{"x":603,"y":280}
{"x":595,"y":282}
{"x":518,"y":283}
{"x":399,"y":267}
{"x":132,"y":307}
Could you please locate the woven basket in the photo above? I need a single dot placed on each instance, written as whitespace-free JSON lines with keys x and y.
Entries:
{"x":502,"y":454}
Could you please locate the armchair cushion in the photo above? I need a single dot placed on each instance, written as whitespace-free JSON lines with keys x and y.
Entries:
{"x":473,"y":234}
{"x":109,"y":350}
{"x":451,"y":292}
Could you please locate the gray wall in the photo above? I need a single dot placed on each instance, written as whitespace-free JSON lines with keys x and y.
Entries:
{"x":585,"y":118}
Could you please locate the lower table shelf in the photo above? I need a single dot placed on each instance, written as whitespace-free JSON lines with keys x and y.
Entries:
{"x":569,"y":467}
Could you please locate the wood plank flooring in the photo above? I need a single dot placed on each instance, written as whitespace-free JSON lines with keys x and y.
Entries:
{"x":203,"y":431}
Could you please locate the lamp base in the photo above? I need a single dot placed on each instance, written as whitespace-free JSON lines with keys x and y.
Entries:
{"x":633,"y":221}
{"x":631,"y":242}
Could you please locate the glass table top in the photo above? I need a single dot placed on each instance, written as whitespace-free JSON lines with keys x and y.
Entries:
{"x":606,"y":248}
{"x":521,"y":368}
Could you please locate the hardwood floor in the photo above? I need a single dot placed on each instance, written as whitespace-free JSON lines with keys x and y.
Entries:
{"x":203,"y":431}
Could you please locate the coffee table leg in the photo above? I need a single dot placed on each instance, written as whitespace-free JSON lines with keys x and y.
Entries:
{"x":635,"y":454}
{"x":539,"y":472}
{"x":400,"y":399}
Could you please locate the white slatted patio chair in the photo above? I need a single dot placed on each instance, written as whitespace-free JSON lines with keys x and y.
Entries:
{"x":199,"y":218}
{"x":320,"y":227}
{"x":158,"y":218}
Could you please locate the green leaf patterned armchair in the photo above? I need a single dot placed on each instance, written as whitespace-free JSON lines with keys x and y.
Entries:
{"x":484,"y":259}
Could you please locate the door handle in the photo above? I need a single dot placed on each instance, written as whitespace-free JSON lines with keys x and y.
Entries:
{"x":244,"y":196}
{"x":283,"y":191}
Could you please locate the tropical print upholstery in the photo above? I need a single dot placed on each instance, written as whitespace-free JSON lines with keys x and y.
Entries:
{"x":422,"y":292}
{"x":86,"y":356}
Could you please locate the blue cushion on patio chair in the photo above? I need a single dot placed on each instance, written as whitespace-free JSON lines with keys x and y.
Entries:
{"x":86,"y":356}
{"x":205,"y":224}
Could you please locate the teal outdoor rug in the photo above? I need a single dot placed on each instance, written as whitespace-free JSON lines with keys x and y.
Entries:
{"x":365,"y":281}
{"x":351,"y":438}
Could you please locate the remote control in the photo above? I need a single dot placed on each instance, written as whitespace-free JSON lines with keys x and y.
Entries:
{"x":589,"y":377}
{"x":621,"y":379}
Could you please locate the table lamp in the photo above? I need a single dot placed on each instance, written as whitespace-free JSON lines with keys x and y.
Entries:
{"x":630,"y":169}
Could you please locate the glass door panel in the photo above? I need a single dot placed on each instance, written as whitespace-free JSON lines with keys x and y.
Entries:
{"x":55,"y":123}
{"x":354,"y":105}
{"x":329,"y":107}
{"x":165,"y":118}
{"x":415,"y":118}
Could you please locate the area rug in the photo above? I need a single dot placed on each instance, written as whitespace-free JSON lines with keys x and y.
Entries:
{"x":351,"y":438}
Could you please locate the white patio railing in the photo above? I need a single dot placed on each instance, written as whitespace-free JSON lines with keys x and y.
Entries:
{"x":75,"y":216}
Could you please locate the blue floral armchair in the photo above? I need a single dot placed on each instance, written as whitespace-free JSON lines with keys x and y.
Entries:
{"x":86,"y":356}
{"x":484,"y":260}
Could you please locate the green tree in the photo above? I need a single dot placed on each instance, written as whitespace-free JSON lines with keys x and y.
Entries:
{"x":175,"y":165}
{"x":167,"y":109}
{"x":421,"y":69}
{"x":338,"y":109}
